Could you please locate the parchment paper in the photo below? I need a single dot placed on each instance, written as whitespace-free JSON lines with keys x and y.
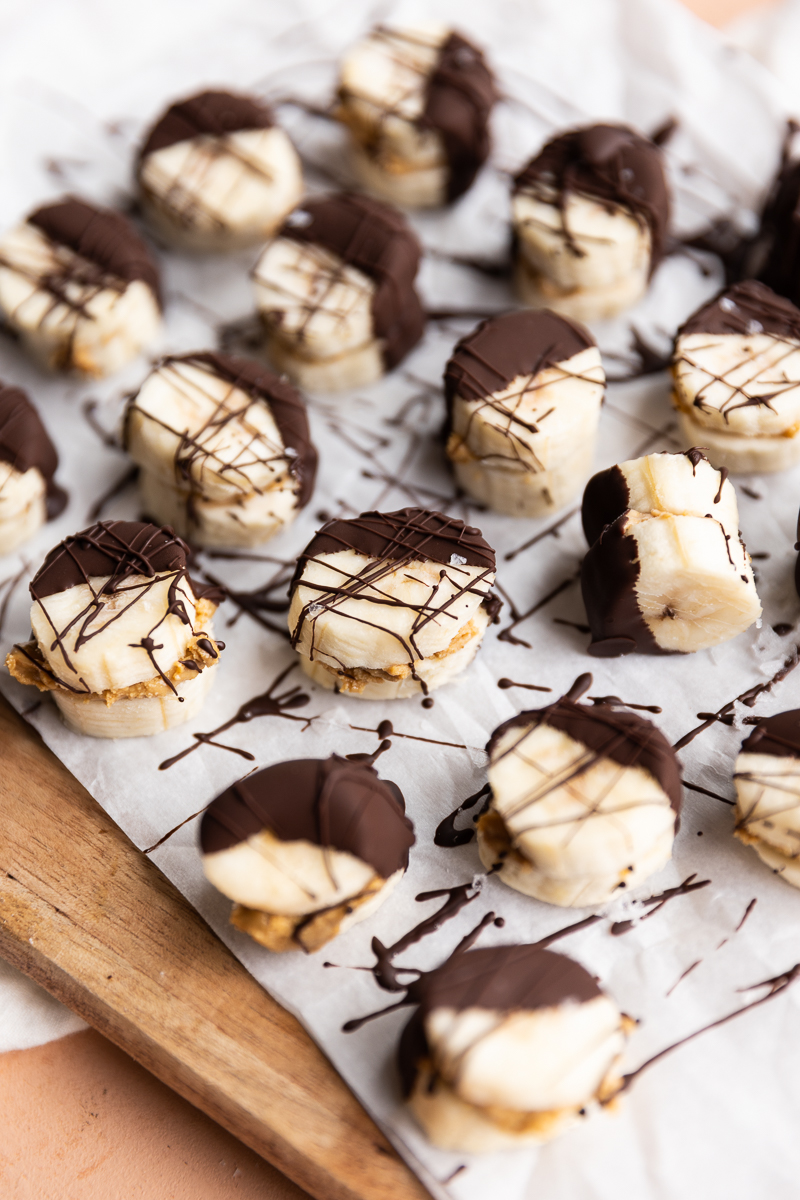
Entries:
{"x":717,"y":1117}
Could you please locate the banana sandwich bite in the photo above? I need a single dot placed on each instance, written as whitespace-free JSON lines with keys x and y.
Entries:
{"x":29,"y":495}
{"x":122,"y":636}
{"x":335,"y":290}
{"x":224,"y":449}
{"x":590,"y":215}
{"x":667,"y":572}
{"x":215,"y":172}
{"x":736,"y":371}
{"x":388,"y":605}
{"x":306,"y":849}
{"x":585,"y":800}
{"x":79,"y":287}
{"x":523,"y":394}
{"x":767,"y":778}
{"x":510,"y":1044}
{"x":417,"y":103}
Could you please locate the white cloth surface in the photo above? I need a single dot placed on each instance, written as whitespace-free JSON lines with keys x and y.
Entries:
{"x":70,"y":121}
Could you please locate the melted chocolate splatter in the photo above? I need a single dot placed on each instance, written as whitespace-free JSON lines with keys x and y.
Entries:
{"x":129,"y":477}
{"x":446,"y":833}
{"x":510,"y":683}
{"x":656,"y":903}
{"x":748,"y":697}
{"x":551,"y":531}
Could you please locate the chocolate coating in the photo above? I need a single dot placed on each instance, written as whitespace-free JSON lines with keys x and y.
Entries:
{"x":611,"y":164}
{"x":742,"y":309}
{"x":502,"y":348}
{"x":377,"y":240}
{"x":404,"y":536}
{"x":118,"y":549}
{"x":24,"y":443}
{"x":105,"y":238}
{"x":281,"y":397}
{"x":605,"y":497}
{"x":330,"y":802}
{"x":609,"y":573}
{"x":623,"y":736}
{"x":778,"y":735}
{"x":460,"y":94}
{"x":214,"y":113}
{"x":499,"y":978}
{"x":780,"y":230}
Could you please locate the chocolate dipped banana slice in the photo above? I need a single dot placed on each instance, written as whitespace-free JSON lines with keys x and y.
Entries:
{"x":306,"y":849}
{"x":122,"y":636}
{"x":736,"y":371}
{"x":667,"y":571}
{"x":510,"y":1044}
{"x":417,"y":102}
{"x":767,"y":778}
{"x":224,"y":449}
{"x":79,"y":287}
{"x":590,"y":215}
{"x":215,"y":172}
{"x":388,"y":605}
{"x":585,"y":800}
{"x":523,"y":393}
{"x":335,"y":290}
{"x":29,"y":495}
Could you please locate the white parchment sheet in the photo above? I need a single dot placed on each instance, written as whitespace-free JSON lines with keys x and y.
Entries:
{"x":78,"y":82}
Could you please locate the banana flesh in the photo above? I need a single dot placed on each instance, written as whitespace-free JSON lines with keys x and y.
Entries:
{"x":218,"y":193}
{"x":137,"y":716}
{"x":768,"y":810}
{"x":22,"y":505}
{"x":526,"y":450}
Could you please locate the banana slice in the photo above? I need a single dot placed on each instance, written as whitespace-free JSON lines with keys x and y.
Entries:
{"x":767,"y":779}
{"x":79,"y":286}
{"x":336,"y":293}
{"x":306,"y":849}
{"x":523,"y":393}
{"x":585,"y":800}
{"x":28,"y":461}
{"x":391,"y":604}
{"x":509,"y":1045}
{"x":672,"y":576}
{"x":224,"y":447}
{"x":417,"y":103}
{"x":117,"y":620}
{"x":216,"y":173}
{"x":590,"y":215}
{"x":736,"y":367}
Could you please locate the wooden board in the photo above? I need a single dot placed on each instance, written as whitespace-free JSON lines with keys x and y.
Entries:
{"x":90,"y":918}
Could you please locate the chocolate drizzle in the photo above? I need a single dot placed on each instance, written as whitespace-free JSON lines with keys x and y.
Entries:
{"x":25,"y":444}
{"x":377,"y":240}
{"x":656,"y":903}
{"x":459,"y":96}
{"x":749,"y":697}
{"x":610,"y":164}
{"x":329,"y":802}
{"x":211,"y":113}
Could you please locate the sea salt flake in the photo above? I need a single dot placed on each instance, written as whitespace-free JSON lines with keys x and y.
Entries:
{"x":457,"y":561}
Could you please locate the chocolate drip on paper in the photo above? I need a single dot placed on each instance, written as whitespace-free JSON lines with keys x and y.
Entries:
{"x":377,"y":240}
{"x":656,"y":903}
{"x":330,"y":802}
{"x":215,"y":113}
{"x":748,"y":698}
{"x":778,"y":735}
{"x":102,"y":237}
{"x":611,"y":164}
{"x":24,"y":443}
{"x":622,"y":736}
{"x":459,"y":96}
{"x":447,"y":835}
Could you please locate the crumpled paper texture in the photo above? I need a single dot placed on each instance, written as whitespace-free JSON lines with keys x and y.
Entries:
{"x":718,"y":1116}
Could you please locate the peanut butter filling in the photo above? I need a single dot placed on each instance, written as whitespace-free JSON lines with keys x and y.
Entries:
{"x":280,"y":932}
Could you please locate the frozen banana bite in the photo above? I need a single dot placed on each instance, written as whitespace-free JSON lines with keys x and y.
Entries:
{"x":523,"y":393}
{"x":388,"y":605}
{"x":122,"y":636}
{"x":79,"y":287}
{"x":306,"y":849}
{"x":29,"y":495}
{"x":215,"y":172}
{"x":590,"y":215}
{"x":767,"y":778}
{"x":335,"y":290}
{"x":510,"y":1044}
{"x":736,"y":370}
{"x":224,"y":449}
{"x":417,"y":103}
{"x":585,"y":800}
{"x":667,"y":572}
